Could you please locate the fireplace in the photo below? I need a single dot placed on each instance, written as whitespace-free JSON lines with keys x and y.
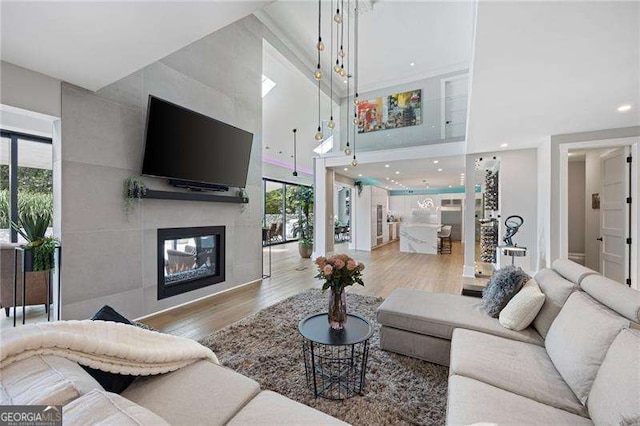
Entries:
{"x":189,"y":258}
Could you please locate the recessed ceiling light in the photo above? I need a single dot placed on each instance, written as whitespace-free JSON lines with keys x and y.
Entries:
{"x":392,"y":180}
{"x":439,"y":170}
{"x":435,"y":161}
{"x":359,"y":174}
{"x":345,"y":82}
{"x":386,"y":165}
{"x":413,"y":64}
{"x":570,"y":154}
{"x":345,"y":169}
{"x":397,"y":172}
{"x":504,"y":145}
{"x":387,"y":178}
{"x":450,"y":186}
{"x":624,"y":108}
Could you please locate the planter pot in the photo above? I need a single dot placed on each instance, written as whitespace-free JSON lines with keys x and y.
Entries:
{"x":29,"y":260}
{"x":305,"y":250}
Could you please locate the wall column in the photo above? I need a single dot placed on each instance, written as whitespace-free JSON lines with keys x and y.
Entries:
{"x":469,"y":217}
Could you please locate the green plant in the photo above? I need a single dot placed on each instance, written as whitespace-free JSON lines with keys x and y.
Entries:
{"x":28,"y":203}
{"x":33,"y":228}
{"x":302,"y":201}
{"x":133,"y":190}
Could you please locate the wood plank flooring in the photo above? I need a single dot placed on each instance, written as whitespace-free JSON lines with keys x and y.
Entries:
{"x":386,"y":269}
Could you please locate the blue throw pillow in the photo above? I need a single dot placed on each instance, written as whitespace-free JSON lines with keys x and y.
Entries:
{"x":111,"y":382}
{"x":503,"y":285}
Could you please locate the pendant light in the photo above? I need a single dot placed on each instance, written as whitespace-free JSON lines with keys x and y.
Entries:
{"x":331,"y":123}
{"x":295,"y":153}
{"x":318,"y":74}
{"x":356,"y":101}
{"x":320,"y":45}
{"x":347,"y":149}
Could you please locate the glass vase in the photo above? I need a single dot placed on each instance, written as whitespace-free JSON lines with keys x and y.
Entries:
{"x":337,"y":309}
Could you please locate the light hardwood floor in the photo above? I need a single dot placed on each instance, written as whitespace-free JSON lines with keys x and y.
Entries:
{"x":386,"y":269}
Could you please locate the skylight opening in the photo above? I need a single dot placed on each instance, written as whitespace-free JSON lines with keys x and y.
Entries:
{"x":267,"y":85}
{"x":325,"y":146}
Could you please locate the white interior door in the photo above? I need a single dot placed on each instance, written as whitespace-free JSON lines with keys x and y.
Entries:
{"x":614,"y":213}
{"x":454,"y":105}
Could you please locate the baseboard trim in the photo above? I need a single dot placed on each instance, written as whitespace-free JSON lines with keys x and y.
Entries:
{"x":199,"y":299}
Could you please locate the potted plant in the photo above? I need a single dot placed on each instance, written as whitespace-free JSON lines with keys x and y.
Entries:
{"x":133,"y":190}
{"x":338,"y":272}
{"x":38,"y":255}
{"x":302,"y":200}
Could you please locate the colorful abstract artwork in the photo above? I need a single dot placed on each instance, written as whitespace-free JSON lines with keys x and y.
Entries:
{"x":391,"y":112}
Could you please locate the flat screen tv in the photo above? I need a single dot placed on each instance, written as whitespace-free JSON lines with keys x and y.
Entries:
{"x":187,"y":146}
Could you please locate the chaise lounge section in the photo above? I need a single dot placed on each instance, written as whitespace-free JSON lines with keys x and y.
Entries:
{"x":567,"y":368}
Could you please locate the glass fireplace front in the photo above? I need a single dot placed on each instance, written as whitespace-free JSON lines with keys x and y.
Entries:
{"x":189,"y":258}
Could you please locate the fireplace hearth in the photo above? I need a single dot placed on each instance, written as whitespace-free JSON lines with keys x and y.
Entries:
{"x":190,"y":258}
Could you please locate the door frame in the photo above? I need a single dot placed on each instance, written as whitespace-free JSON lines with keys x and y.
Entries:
{"x":634,"y":144}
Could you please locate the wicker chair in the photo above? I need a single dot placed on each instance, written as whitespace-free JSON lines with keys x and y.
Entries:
{"x":36,"y":282}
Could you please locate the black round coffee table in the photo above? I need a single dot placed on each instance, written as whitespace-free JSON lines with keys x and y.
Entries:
{"x":335,"y":361}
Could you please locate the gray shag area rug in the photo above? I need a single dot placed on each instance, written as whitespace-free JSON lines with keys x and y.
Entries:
{"x":268,"y":348}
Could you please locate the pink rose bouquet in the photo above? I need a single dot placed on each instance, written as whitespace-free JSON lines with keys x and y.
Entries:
{"x":339,"y":271}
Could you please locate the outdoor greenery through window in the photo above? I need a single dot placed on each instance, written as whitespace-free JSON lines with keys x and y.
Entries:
{"x":34,"y":188}
{"x":281,"y":211}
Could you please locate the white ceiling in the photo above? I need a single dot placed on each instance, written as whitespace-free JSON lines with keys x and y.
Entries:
{"x":414,"y":174}
{"x":546,"y":68}
{"x":92,"y":44}
{"x":435,"y":35}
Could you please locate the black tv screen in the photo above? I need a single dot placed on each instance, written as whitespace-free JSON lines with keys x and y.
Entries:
{"x":185,"y":145}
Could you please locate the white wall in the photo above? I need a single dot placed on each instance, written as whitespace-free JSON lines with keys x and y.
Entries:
{"x":576,"y":206}
{"x":427,"y":132}
{"x":30,"y":90}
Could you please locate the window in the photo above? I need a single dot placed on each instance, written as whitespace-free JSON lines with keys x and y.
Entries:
{"x":280,"y":215}
{"x":26,"y":179}
{"x":267,"y":85}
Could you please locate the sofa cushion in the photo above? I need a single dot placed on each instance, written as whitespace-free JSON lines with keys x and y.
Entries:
{"x":523,"y":307}
{"x":517,"y":367}
{"x":556,"y":291}
{"x":503,"y":285}
{"x":201,"y":393}
{"x":619,"y":297}
{"x":572,"y":271}
{"x":44,"y":380}
{"x":272,"y":408}
{"x":105,"y":408}
{"x":471,"y":401}
{"x":438,"y":314}
{"x":615,"y":395}
{"x":111,"y":382}
{"x":579,"y":338}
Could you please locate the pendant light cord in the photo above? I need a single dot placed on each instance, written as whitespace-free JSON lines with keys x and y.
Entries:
{"x":331,"y":73}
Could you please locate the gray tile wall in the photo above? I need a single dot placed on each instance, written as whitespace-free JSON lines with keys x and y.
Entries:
{"x":109,"y":259}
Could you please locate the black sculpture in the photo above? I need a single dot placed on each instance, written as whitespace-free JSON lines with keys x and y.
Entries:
{"x":513,"y":223}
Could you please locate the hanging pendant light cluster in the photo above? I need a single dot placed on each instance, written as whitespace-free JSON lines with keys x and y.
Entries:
{"x":342,"y":51}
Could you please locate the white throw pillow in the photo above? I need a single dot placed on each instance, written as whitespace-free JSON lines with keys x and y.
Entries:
{"x":523,"y":307}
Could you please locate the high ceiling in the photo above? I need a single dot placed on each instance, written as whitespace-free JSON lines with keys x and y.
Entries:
{"x":547,"y":68}
{"x":436,"y":36}
{"x":413,"y":174}
{"x":291,"y":103}
{"x":92,"y":44}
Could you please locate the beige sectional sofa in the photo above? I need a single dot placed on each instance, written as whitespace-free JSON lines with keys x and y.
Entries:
{"x":579,"y":362}
{"x":203,"y":393}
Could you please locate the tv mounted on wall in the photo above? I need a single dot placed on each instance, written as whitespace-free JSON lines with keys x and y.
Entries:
{"x":189,"y":147}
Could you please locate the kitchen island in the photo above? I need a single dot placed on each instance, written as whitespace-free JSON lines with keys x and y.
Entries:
{"x":419,"y":238}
